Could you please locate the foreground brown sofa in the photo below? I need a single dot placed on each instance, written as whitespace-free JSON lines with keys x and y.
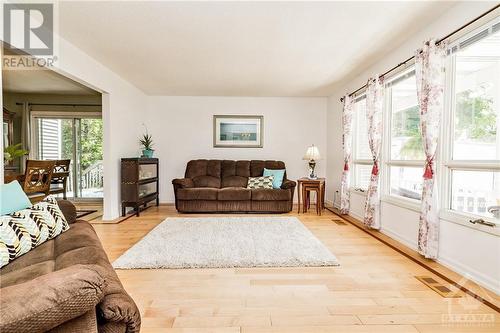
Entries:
{"x":220,"y":186}
{"x":65,"y":285}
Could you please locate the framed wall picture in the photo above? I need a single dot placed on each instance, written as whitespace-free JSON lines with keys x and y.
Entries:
{"x":238,"y":131}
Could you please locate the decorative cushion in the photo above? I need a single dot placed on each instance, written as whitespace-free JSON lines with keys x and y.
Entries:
{"x":277,"y":174}
{"x":25,"y":229}
{"x":12,"y":198}
{"x":260,"y":182}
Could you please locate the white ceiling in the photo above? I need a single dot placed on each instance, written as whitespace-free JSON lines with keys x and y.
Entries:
{"x":241,"y":48}
{"x":41,"y":82}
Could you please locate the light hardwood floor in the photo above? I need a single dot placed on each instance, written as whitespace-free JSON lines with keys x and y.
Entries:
{"x":374,"y":289}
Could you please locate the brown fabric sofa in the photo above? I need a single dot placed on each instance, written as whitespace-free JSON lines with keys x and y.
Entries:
{"x":67,"y":284}
{"x":220,"y":186}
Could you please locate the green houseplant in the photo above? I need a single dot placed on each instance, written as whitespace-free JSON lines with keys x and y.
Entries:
{"x":12,"y":152}
{"x":146,"y":142}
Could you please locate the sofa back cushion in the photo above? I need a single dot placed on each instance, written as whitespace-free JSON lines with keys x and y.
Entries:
{"x":204,"y":173}
{"x":235,"y":173}
{"x":257,"y":167}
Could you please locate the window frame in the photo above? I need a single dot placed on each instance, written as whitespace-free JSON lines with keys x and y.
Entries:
{"x":445,"y":149}
{"x":387,"y":161}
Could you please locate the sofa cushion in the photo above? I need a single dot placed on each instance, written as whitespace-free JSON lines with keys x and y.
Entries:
{"x":234,"y":181}
{"x":260,"y":182}
{"x":48,"y":300}
{"x":257,"y":167}
{"x":277,"y":176}
{"x":78,"y":245}
{"x":234,"y":194}
{"x":264,"y":194}
{"x":206,"y":181}
{"x":12,"y":198}
{"x":26,"y":229}
{"x":197,"y":194}
{"x":197,"y":168}
{"x":235,"y":168}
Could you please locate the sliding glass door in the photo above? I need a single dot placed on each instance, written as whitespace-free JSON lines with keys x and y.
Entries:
{"x":78,"y":139}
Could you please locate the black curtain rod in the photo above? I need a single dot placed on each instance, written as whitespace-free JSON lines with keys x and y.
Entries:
{"x":60,"y":104}
{"x":437,"y":43}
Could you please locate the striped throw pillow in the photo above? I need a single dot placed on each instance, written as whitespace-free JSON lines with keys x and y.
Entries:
{"x":260,"y":182}
{"x":25,"y":229}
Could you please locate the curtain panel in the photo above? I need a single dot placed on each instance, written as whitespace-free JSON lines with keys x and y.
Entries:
{"x":345,"y":196}
{"x":374,"y":112}
{"x":26,"y":133}
{"x":430,"y":77}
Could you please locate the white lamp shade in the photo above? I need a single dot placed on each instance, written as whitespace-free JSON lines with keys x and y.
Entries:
{"x":312,"y":153}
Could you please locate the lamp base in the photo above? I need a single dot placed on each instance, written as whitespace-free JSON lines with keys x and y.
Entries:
{"x":312,"y":165}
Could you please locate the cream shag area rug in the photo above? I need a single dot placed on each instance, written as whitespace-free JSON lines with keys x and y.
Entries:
{"x":216,"y":242}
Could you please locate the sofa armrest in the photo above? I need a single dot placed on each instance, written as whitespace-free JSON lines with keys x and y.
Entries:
{"x":68,"y":210}
{"x":119,"y":309}
{"x":183,"y":182}
{"x":288,"y":184}
{"x":50,"y":300}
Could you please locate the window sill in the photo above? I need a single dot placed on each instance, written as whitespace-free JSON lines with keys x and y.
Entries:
{"x":463,"y":219}
{"x":401,"y":202}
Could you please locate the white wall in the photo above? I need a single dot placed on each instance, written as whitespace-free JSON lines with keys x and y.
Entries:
{"x":470,"y":251}
{"x":122,"y":104}
{"x":182,"y":129}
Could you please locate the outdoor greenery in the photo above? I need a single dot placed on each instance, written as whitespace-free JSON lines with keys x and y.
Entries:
{"x":91,"y":141}
{"x":407,"y":124}
{"x":475,"y":117}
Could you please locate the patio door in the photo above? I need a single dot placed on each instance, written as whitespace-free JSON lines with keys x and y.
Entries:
{"x":78,"y":139}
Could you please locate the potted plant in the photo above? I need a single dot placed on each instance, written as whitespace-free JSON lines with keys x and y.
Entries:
{"x":12,"y":152}
{"x":147,"y":145}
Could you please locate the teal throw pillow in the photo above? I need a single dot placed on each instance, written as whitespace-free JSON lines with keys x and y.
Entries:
{"x":278,"y":176}
{"x":12,"y":198}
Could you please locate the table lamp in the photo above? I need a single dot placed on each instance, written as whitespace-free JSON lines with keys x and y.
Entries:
{"x":312,"y":154}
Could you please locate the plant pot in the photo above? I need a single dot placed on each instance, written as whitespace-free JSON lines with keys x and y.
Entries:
{"x":148,"y":153}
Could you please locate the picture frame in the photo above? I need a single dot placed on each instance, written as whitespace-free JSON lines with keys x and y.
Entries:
{"x":238,"y":131}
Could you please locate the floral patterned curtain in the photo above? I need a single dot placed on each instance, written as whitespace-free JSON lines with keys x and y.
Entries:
{"x":374,"y":111}
{"x":429,"y":72}
{"x":347,"y":145}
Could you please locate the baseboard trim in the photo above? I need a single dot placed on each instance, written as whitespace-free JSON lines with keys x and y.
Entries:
{"x":442,"y":271}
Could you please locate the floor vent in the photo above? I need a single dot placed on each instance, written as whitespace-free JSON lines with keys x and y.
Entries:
{"x":438,"y":287}
{"x":339,"y":221}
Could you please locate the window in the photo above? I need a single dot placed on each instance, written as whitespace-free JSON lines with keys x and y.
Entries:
{"x":473,"y":165}
{"x":406,"y":154}
{"x":362,"y":156}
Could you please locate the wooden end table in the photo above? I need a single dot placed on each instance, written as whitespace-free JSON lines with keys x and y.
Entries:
{"x":304,"y":188}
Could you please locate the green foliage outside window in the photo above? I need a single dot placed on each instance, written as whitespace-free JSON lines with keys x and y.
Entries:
{"x":406,"y":123}
{"x":91,"y":141}
{"x":475,"y":117}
